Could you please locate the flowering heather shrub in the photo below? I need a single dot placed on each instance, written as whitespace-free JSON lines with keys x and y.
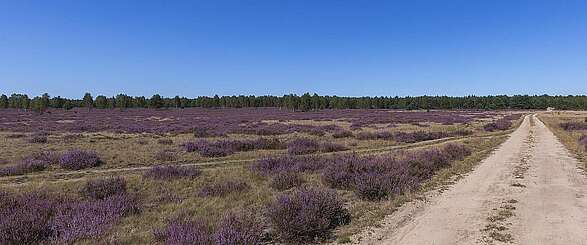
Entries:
{"x":456,"y":151}
{"x":33,"y":163}
{"x":186,"y":232}
{"x":220,"y":189}
{"x":165,"y":156}
{"x":40,"y":139}
{"x":165,"y":141}
{"x":306,"y":215}
{"x":79,"y":159}
{"x":172,"y":172}
{"x":243,"y":227}
{"x":342,"y":134}
{"x":222,"y":148}
{"x":302,"y":146}
{"x":583,"y":141}
{"x":570,"y":126}
{"x":286,"y":180}
{"x":90,"y":218}
{"x":102,"y":188}
{"x":374,"y":178}
{"x":24,"y":218}
{"x":332,"y":147}
{"x":500,"y":124}
{"x":383,"y":135}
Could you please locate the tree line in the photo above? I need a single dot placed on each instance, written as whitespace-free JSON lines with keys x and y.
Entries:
{"x":305,"y":102}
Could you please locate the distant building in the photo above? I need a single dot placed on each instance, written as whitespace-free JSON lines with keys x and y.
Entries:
{"x":550,"y":109}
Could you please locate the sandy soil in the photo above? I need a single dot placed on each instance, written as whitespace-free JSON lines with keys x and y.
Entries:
{"x":529,"y":191}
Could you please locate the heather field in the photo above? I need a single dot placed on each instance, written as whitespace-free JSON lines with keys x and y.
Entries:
{"x":220,"y":176}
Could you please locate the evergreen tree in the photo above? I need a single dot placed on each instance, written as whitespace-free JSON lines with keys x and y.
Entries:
{"x":101,"y":102}
{"x":156,"y":101}
{"x":3,"y":101}
{"x":88,"y":101}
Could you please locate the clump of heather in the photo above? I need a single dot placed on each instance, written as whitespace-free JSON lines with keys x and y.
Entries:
{"x":306,"y":215}
{"x":332,"y":147}
{"x":583,"y":141}
{"x":375,"y":178}
{"x":222,"y":148}
{"x":302,"y":146}
{"x":286,"y":180}
{"x":342,"y":134}
{"x":102,"y":188}
{"x":223,"y":188}
{"x":15,"y":136}
{"x":25,"y":218}
{"x":79,"y":159}
{"x":33,"y":163}
{"x":165,"y":156}
{"x":570,"y":126}
{"x":273,"y":165}
{"x":243,"y":227}
{"x":172,"y":172}
{"x":91,"y":218}
{"x":500,"y":124}
{"x":165,"y":141}
{"x":381,"y":135}
{"x":186,"y":232}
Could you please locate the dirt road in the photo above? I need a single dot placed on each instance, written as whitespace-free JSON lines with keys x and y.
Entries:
{"x":529,"y":191}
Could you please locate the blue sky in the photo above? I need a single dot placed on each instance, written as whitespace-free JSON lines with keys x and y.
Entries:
{"x":349,"y":48}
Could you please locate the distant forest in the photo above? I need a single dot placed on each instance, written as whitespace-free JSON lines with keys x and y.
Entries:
{"x":305,"y":102}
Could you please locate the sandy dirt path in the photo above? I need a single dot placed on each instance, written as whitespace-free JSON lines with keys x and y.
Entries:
{"x":529,"y":191}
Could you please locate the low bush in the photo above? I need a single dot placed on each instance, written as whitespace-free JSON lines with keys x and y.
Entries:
{"x":91,"y":218}
{"x":33,"y":163}
{"x":381,"y":135}
{"x":243,"y":227}
{"x":102,"y":188}
{"x":223,"y":188}
{"x":286,"y":180}
{"x":25,"y":218}
{"x":570,"y":126}
{"x":40,"y":218}
{"x":418,"y":136}
{"x":172,"y":172}
{"x":306,"y":215}
{"x":375,"y":178}
{"x":222,"y":148}
{"x":500,"y":124}
{"x":79,"y":159}
{"x":165,"y":156}
{"x":342,"y":134}
{"x":186,"y":232}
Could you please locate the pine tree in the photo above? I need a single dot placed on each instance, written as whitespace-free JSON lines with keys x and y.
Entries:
{"x":88,"y":101}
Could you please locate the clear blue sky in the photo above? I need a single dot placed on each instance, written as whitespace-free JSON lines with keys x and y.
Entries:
{"x":350,"y":48}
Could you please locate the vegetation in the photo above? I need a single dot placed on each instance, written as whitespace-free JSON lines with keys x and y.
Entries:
{"x":306,"y":102}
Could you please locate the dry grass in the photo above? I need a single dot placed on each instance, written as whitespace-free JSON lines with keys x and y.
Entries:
{"x":569,"y":138}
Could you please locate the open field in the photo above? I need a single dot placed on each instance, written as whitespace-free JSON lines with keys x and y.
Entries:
{"x":185,"y":176}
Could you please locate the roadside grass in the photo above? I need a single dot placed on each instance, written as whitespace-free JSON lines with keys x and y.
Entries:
{"x":569,"y":138}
